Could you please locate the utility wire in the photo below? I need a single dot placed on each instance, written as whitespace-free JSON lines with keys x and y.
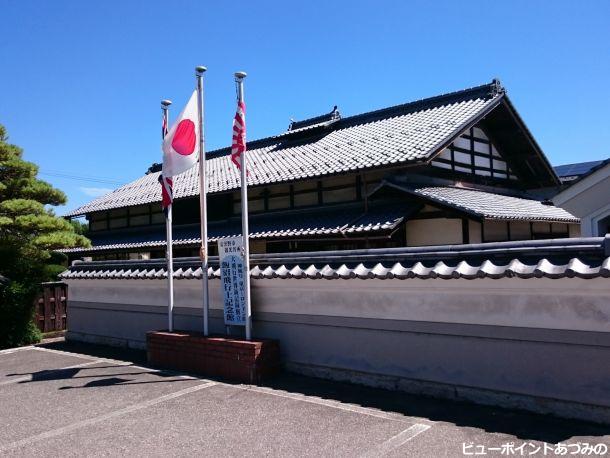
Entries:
{"x":88,"y":178}
{"x":76,"y":174}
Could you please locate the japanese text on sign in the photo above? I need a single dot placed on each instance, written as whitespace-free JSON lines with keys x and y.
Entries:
{"x":232,"y":271}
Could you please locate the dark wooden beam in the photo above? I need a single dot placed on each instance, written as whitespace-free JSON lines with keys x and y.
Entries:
{"x":465,"y":231}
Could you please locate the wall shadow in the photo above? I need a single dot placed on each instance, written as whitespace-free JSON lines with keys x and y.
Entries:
{"x":523,"y":425}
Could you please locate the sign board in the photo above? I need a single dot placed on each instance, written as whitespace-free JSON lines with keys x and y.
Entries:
{"x":232,"y":271}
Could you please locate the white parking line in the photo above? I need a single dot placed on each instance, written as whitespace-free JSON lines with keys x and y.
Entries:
{"x":27,"y":378}
{"x":391,"y":444}
{"x":78,"y":355}
{"x":101,"y":418}
{"x":119,"y":362}
{"x":8,"y":351}
{"x":398,"y":440}
{"x":328,"y":403}
{"x":383,"y":449}
{"x":264,"y":390}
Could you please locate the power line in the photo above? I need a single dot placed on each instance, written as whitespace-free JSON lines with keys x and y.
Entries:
{"x":86,"y":178}
{"x":97,"y":177}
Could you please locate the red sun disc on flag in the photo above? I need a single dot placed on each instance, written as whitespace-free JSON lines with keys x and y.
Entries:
{"x":184,"y":138}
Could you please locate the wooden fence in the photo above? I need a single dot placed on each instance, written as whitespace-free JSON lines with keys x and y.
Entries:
{"x":51,"y":307}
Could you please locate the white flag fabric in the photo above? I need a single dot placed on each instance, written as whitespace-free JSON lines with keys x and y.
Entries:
{"x":181,"y":144}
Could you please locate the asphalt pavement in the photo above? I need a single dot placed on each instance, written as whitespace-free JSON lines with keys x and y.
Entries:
{"x":62,"y":399}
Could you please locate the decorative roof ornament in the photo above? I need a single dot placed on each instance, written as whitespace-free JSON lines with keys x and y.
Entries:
{"x":496,"y":88}
{"x":317,"y":121}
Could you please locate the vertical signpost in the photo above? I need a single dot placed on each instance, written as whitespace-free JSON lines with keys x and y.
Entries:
{"x":232,"y":277}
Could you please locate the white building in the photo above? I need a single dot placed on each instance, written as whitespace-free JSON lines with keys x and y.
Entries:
{"x":589,"y":199}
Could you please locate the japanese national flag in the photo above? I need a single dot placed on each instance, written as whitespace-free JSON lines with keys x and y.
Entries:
{"x":181,"y":144}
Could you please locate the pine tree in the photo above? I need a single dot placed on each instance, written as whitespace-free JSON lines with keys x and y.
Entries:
{"x":29,"y":232}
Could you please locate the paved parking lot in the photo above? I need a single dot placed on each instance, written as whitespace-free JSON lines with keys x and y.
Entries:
{"x":68,"y":400}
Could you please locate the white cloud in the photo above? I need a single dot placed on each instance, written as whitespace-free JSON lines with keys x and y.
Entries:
{"x":95,"y":192}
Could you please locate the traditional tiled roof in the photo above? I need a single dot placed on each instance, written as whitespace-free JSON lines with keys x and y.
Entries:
{"x":583,"y":258}
{"x":324,"y":120}
{"x":544,"y":268}
{"x":488,"y":205}
{"x":330,"y":221}
{"x":402,"y":134}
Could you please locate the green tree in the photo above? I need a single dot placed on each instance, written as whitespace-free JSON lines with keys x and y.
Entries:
{"x":80,"y":227}
{"x":29,"y":232}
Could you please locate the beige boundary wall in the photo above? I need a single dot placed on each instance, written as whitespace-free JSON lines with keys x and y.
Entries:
{"x":540,"y":344}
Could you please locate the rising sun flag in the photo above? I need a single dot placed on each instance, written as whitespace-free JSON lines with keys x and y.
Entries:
{"x":238,"y":144}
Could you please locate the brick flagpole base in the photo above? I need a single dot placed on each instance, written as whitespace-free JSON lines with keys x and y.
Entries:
{"x":237,"y":360}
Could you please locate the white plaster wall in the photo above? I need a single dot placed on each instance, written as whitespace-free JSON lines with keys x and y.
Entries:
{"x":474,"y":228}
{"x":568,"y":303}
{"x":437,"y":231}
{"x":540,"y":344}
{"x":588,"y":200}
{"x":187,"y":293}
{"x":575,"y":231}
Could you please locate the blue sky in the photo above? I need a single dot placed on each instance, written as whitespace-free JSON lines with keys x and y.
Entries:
{"x":81,"y":81}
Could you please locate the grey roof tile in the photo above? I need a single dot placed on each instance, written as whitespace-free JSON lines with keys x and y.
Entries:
{"x":489,"y":205}
{"x":333,"y":220}
{"x":544,"y":268}
{"x":582,"y":258}
{"x":395,"y":135}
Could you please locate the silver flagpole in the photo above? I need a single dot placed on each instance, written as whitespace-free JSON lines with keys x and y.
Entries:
{"x":203,"y":190}
{"x":239,"y":79}
{"x":168,"y":235}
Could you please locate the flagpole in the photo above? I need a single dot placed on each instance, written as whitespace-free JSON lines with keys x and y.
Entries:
{"x":203,"y":190}
{"x":239,"y":79}
{"x":168,"y":233}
